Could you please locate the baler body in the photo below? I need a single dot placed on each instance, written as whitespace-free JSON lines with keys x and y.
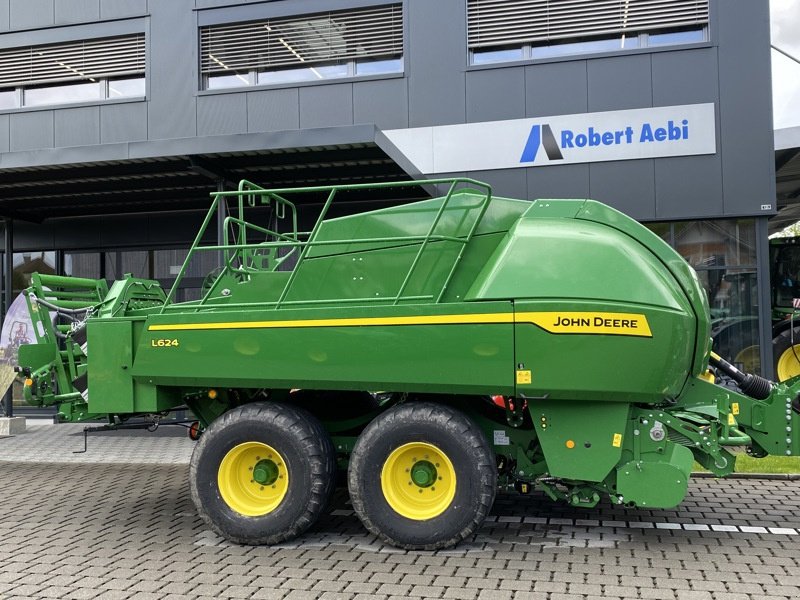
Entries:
{"x":594,"y":331}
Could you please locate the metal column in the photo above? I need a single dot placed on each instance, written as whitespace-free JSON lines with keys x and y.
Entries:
{"x":221,"y":214}
{"x":8,"y":297}
{"x":764,"y":297}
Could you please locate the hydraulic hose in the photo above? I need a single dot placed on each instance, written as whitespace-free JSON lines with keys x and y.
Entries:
{"x":754,"y":386}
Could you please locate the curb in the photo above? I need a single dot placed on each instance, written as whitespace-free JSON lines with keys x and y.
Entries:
{"x":768,"y":476}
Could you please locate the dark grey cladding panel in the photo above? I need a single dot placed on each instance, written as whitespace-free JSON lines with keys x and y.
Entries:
{"x":222,"y":114}
{"x":558,"y":88}
{"x":78,"y":233}
{"x":76,"y":11}
{"x":621,"y":82}
{"x":627,"y":185}
{"x":173,"y":68}
{"x":688,"y":187}
{"x":508,"y":183}
{"x":77,"y":126}
{"x":31,"y":130}
{"x":496,"y":94}
{"x":123,"y":230}
{"x":5,"y":10}
{"x":152,"y":229}
{"x":4,"y":132}
{"x":116,"y":9}
{"x":561,"y":181}
{"x":745,"y":107}
{"x":326,"y":105}
{"x":437,"y":58}
{"x":384,"y":103}
{"x":123,"y":122}
{"x":685,"y":77}
{"x":29,"y":14}
{"x":273,"y":110}
{"x":34,"y":236}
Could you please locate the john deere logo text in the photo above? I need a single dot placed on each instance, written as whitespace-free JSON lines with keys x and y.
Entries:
{"x":634,"y":324}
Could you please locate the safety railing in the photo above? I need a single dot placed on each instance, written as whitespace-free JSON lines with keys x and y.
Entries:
{"x":246,"y":253}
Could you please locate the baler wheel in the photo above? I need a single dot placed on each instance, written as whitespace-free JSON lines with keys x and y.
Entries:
{"x":422,"y":476}
{"x":262,"y":473}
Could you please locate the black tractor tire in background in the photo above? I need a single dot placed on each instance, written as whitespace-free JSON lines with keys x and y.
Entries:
{"x":467,"y":459}
{"x":784,"y":356}
{"x":229,"y":450}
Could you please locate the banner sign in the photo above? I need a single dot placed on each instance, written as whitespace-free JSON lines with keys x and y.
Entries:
{"x":560,"y":140}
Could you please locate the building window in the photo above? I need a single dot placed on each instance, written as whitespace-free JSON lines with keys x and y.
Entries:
{"x":83,"y":71}
{"x":314,"y":47}
{"x":723,"y":253}
{"x":507,"y":30}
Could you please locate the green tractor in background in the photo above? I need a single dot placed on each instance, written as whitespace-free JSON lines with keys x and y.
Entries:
{"x":736,"y":337}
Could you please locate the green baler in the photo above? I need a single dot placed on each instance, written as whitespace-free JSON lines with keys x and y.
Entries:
{"x":434,"y":351}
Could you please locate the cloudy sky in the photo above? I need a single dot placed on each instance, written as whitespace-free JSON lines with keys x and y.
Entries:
{"x":785,"y":16}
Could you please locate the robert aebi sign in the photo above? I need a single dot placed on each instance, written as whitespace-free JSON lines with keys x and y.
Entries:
{"x":563,"y":139}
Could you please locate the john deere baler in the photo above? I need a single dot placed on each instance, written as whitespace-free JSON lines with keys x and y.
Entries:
{"x":435,"y":351}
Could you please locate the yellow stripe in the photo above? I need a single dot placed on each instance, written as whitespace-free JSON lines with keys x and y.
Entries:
{"x":366,"y":322}
{"x":552,"y":322}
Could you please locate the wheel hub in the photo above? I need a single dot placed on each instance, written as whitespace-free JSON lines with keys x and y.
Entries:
{"x":253,"y":479}
{"x":423,"y":474}
{"x":418,"y":481}
{"x":265,"y":472}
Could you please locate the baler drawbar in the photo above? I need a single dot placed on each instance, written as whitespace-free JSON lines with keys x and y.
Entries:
{"x":433,"y":351}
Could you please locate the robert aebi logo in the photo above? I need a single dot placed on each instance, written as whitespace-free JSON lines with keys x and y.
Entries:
{"x":541,"y":135}
{"x":591,"y":137}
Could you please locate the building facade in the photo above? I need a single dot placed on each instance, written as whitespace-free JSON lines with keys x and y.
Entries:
{"x":119,"y":117}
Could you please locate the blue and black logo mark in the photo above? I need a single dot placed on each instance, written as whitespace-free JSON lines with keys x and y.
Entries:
{"x":541,"y":135}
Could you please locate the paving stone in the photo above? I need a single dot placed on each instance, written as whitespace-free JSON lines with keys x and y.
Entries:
{"x":87,"y":536}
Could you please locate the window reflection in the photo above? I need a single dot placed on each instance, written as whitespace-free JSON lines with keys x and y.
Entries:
{"x":135,"y":262}
{"x":723,"y":253}
{"x":8,"y":99}
{"x":218,"y":82}
{"x":717,"y":243}
{"x":585,"y":47}
{"x":482,"y":57}
{"x":379,"y":66}
{"x":310,"y":73}
{"x":126,"y":88}
{"x":676,"y":37}
{"x":82,"y":264}
{"x":567,"y":47}
{"x":61,"y":94}
{"x":306,"y":73}
{"x":27,"y":263}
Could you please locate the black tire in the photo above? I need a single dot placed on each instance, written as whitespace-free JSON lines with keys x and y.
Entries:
{"x":310,"y":465}
{"x":785,"y":361}
{"x":458,"y":439}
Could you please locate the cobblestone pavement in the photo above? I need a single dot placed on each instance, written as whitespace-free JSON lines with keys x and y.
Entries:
{"x":45,"y":442}
{"x":128,"y":530}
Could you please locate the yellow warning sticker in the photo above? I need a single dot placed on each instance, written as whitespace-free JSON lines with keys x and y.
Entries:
{"x":735,"y":408}
{"x":731,"y":419}
{"x":523,"y":377}
{"x":617,"y":441}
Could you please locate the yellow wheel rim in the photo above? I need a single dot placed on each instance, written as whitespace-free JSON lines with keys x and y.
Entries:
{"x":749,"y":358}
{"x":418,"y":481}
{"x":253,"y":479}
{"x":787,"y":364}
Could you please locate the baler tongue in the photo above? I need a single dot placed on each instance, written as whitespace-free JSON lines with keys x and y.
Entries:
{"x":17,"y":330}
